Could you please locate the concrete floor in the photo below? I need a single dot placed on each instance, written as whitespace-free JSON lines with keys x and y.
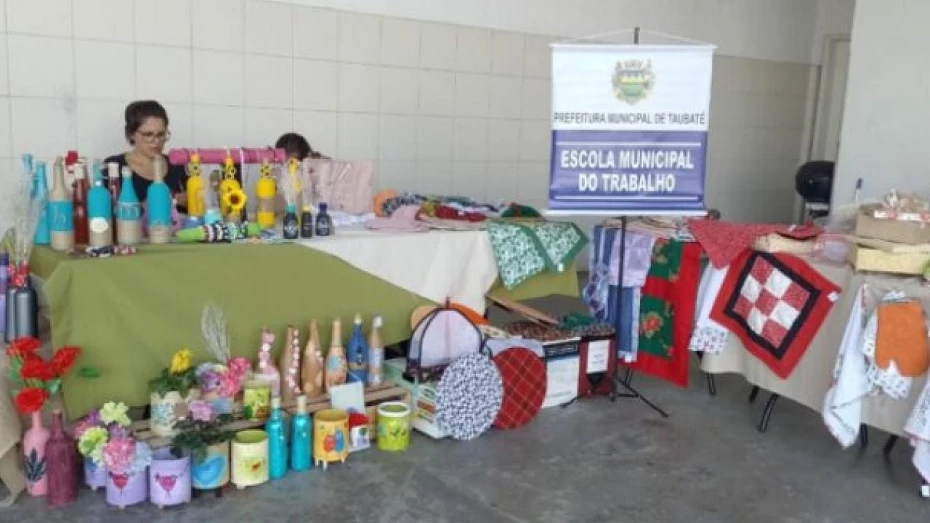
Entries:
{"x":594,"y":461}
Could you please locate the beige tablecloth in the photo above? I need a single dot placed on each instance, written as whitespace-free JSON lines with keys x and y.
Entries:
{"x":811,"y":379}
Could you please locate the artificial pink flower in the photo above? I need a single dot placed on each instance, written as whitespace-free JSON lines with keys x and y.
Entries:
{"x":119,"y":454}
{"x":239,"y":366}
{"x":200,"y":411}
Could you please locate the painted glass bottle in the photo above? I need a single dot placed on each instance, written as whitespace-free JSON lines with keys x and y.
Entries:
{"x":128,"y":212}
{"x":324,"y":224}
{"x":290,"y":226}
{"x":277,"y":441}
{"x":357,"y":353}
{"x":311,"y":373}
{"x":60,"y":210}
{"x":265,"y":191}
{"x":158,"y":205}
{"x":336,"y":367}
{"x":375,"y":354}
{"x":79,"y":207}
{"x":267,"y":371}
{"x":99,"y":209}
{"x":306,"y":222}
{"x":62,"y":461}
{"x":289,"y":366}
{"x":7,"y":293}
{"x":113,"y":186}
{"x":40,"y":195}
{"x":196,"y":203}
{"x":300,"y":436}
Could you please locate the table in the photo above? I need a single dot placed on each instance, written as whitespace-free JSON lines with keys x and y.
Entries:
{"x":811,"y":378}
{"x":129,"y":314}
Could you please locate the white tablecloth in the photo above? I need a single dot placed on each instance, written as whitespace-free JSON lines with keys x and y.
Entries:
{"x":437,"y":265}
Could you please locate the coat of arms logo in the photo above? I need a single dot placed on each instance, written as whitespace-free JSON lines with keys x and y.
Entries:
{"x":633,"y":80}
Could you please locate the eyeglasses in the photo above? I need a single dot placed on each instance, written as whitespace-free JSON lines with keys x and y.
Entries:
{"x":155,"y":137}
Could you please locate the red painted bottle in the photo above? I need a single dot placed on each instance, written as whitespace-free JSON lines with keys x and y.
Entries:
{"x":79,"y":204}
{"x":62,"y":462}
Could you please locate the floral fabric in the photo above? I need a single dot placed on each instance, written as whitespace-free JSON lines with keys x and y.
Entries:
{"x":523,"y":250}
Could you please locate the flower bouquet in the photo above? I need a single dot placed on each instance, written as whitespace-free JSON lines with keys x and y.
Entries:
{"x":33,"y":381}
{"x":126,"y":461}
{"x":201,"y":436}
{"x":222,"y":380}
{"x":94,"y":432}
{"x":170,"y":393}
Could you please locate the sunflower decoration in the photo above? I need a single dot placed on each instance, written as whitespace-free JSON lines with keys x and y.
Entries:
{"x":233,"y":203}
{"x":229,"y":182}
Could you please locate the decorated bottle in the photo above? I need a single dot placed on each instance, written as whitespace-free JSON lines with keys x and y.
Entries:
{"x":26,"y":303}
{"x":265,"y":191}
{"x":40,"y":195}
{"x":306,"y":222}
{"x":357,"y":353}
{"x":71,"y":159}
{"x":324,"y":224}
{"x":375,"y":354}
{"x":266,"y":370}
{"x":336,"y":366}
{"x":79,"y":207}
{"x":35,"y":443}
{"x":99,"y":209}
{"x":128,"y":212}
{"x":61,"y":459}
{"x":277,"y":441}
{"x":158,"y":205}
{"x":290,"y":226}
{"x":300,"y":436}
{"x":313,"y":364}
{"x":4,"y":289}
{"x":196,"y":203}
{"x":113,"y":186}
{"x":60,"y":210}
{"x":289,"y":365}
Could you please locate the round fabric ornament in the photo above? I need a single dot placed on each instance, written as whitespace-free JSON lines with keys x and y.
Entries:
{"x":468,"y":397}
{"x":524,"y":376}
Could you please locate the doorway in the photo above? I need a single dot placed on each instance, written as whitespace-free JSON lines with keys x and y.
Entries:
{"x":828,"y":119}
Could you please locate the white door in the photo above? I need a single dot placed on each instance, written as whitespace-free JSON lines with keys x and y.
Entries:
{"x":832,"y":99}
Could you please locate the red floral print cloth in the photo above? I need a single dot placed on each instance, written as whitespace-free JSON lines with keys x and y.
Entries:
{"x":725,"y":241}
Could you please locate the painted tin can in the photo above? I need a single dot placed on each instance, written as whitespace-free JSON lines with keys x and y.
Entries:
{"x":169,"y":479}
{"x":393,"y":426}
{"x":330,"y":436}
{"x":256,"y":400}
{"x":250,"y":458}
{"x":213,"y":471}
{"x":124,"y":489}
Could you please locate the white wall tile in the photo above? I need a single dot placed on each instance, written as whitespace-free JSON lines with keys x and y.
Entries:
{"x":437,"y":93}
{"x":4,"y":66}
{"x":473,"y":50}
{"x":46,"y":17}
{"x":269,"y":81}
{"x":437,"y":46}
{"x":505,"y":97}
{"x":503,"y":140}
{"x":400,"y":90}
{"x":507,"y":53}
{"x":359,"y":38}
{"x":165,"y":22}
{"x":3,"y":14}
{"x":537,"y":57}
{"x":537,"y":98}
{"x":502,"y":181}
{"x":535,"y":140}
{"x":320,"y":128}
{"x":534,"y":183}
{"x":181,"y":116}
{"x":470,"y":179}
{"x":264,"y":126}
{"x":269,"y":28}
{"x":55,"y":77}
{"x":219,"y":24}
{"x":216,"y":126}
{"x":164,"y":73}
{"x":6,"y":141}
{"x":397,"y":175}
{"x":470,"y":141}
{"x":400,"y":42}
{"x":399,"y":137}
{"x":316,"y":85}
{"x":104,"y":20}
{"x":42,"y":140}
{"x":316,"y":33}
{"x":472,"y":94}
{"x":100,"y":128}
{"x":219,"y":77}
{"x":358,"y":87}
{"x":358,"y":136}
{"x":434,"y":177}
{"x":105,"y":70}
{"x":434,"y":139}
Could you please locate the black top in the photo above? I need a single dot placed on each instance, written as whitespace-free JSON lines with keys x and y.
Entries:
{"x":175,"y":179}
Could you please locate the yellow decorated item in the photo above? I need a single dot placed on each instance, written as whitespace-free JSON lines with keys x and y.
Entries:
{"x":196,"y":205}
{"x":265,"y":191}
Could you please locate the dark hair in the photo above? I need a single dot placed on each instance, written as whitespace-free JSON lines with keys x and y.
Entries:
{"x":139,"y":111}
{"x":295,"y":145}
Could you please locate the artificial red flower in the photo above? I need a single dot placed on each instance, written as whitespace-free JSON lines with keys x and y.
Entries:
{"x":22,"y":346}
{"x":30,"y":399}
{"x":64,"y":359}
{"x":37,"y":369}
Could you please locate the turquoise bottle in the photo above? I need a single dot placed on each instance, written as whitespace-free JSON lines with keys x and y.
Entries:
{"x":158,"y":205}
{"x":60,"y":210}
{"x":40,"y":195}
{"x":357,"y":354}
{"x":277,"y":441}
{"x":99,"y":209}
{"x":301,"y":439}
{"x":128,"y":212}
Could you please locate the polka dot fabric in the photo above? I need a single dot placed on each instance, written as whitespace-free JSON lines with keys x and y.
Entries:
{"x":524,"y":377}
{"x":469,"y":396}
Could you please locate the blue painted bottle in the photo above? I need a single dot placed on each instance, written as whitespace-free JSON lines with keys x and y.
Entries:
{"x":158,"y":205}
{"x":301,"y":438}
{"x":99,"y":209}
{"x":40,"y":195}
{"x":277,"y":441}
{"x":128,"y":212}
{"x":357,"y":354}
{"x":60,"y":210}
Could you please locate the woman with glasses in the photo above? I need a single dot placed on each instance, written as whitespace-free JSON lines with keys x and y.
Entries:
{"x":147,"y":133}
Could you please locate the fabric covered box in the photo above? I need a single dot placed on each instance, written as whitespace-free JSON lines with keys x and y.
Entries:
{"x":909,"y":232}
{"x":868,"y":258}
{"x":422,"y":398}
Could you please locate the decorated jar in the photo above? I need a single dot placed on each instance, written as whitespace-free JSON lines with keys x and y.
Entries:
{"x":127,"y":488}
{"x":167,"y":410}
{"x":95,"y":476}
{"x":393,"y":426}
{"x":169,"y":479}
{"x":256,"y":400}
{"x":330,"y":436}
{"x":213,"y":471}
{"x":250,"y":458}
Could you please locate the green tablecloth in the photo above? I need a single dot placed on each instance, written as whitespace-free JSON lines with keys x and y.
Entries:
{"x":129,"y":314}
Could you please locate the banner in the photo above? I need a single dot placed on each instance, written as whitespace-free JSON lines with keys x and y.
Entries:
{"x":629,"y":127}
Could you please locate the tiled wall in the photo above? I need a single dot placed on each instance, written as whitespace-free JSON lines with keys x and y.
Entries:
{"x":441,"y":108}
